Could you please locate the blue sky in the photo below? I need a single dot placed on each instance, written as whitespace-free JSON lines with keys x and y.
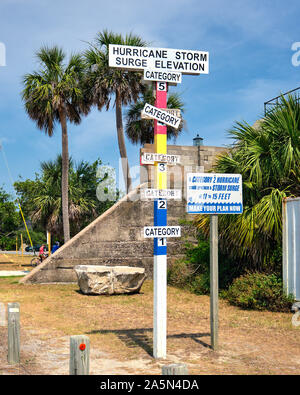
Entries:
{"x":250,"y":62}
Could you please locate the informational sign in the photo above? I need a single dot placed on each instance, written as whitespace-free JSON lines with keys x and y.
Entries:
{"x":158,"y":59}
{"x":161,"y":193}
{"x":209,"y":193}
{"x":162,"y":231}
{"x":173,"y":77}
{"x":161,"y":116}
{"x":149,"y":158}
{"x":172,"y":111}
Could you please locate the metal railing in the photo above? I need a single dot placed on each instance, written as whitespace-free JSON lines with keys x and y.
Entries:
{"x":275,"y":101}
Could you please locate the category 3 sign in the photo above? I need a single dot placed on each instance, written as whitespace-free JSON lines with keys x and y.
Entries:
{"x":209,"y":193}
{"x":158,"y":59}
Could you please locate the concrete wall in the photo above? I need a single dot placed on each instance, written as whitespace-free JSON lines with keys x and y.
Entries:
{"x":193,"y":159}
{"x":115,"y":238}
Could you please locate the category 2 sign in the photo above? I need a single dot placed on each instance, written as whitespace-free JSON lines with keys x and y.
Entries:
{"x":209,"y":193}
{"x":158,"y":59}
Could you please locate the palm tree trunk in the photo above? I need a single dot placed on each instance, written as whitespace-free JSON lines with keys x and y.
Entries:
{"x":121,"y":142}
{"x":65,"y":176}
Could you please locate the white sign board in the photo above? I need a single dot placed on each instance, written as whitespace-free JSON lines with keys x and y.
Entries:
{"x":161,"y":194}
{"x":149,"y":158}
{"x":213,"y":193}
{"x":158,"y":59}
{"x":172,"y":111}
{"x":173,"y":77}
{"x":162,"y":231}
{"x":161,"y":116}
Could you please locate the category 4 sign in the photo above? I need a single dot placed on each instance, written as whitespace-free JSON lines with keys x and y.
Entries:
{"x":209,"y":193}
{"x":161,"y":116}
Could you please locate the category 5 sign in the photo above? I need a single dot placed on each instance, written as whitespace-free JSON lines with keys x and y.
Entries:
{"x":209,"y":193}
{"x":172,"y":77}
{"x":158,"y":59}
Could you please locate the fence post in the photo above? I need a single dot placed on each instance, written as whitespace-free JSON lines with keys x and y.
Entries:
{"x":2,"y":314}
{"x":13,"y":326}
{"x":79,"y":355}
{"x":175,"y":369}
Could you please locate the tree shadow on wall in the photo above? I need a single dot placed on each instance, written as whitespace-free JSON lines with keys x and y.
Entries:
{"x":143,"y":338}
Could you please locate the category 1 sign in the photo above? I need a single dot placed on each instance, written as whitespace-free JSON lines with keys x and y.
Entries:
{"x":162,"y":231}
{"x":161,"y":116}
{"x":209,"y":193}
{"x":158,"y":59}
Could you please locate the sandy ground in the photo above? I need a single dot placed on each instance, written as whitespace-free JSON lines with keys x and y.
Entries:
{"x":120,"y":332}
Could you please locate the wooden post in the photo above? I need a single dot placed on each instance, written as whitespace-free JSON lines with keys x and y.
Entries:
{"x":2,"y":314}
{"x":79,"y":355}
{"x":49,"y":242}
{"x":22,"y":246}
{"x":214,"y":286}
{"x":175,"y":369}
{"x":13,"y":326}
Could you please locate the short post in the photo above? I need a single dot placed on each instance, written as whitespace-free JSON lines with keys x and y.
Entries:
{"x":2,"y":314}
{"x":214,"y":283}
{"x":79,"y":355}
{"x":22,"y":246}
{"x":174,"y":369}
{"x":13,"y":326}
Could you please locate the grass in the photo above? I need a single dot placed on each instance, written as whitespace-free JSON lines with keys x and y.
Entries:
{"x":251,"y":342}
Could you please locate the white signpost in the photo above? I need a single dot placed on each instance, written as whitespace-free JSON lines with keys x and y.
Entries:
{"x":213,"y":193}
{"x":163,"y":66}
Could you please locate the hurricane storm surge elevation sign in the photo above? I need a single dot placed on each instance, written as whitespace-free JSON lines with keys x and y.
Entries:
{"x":158,"y":59}
{"x":209,"y":193}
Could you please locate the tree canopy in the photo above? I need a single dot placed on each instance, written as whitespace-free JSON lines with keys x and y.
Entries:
{"x":267,"y":155}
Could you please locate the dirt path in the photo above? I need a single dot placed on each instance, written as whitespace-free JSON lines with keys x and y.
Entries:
{"x":120,"y":332}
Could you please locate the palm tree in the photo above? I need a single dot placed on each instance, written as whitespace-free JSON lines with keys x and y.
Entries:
{"x":141,"y":131}
{"x":268,"y":157}
{"x":104,"y":82}
{"x":83,"y":204}
{"x":55,"y":94}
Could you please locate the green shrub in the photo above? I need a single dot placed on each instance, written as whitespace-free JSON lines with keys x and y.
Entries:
{"x":259,"y":291}
{"x":179,"y":274}
{"x":193,"y":272}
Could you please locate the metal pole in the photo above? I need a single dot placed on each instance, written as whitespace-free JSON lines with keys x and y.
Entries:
{"x":214,"y":283}
{"x":160,"y":245}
